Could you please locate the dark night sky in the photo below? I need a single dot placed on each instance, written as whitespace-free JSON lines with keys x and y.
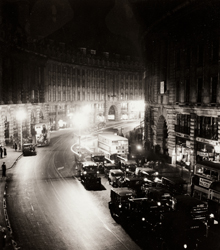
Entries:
{"x":104,"y":25}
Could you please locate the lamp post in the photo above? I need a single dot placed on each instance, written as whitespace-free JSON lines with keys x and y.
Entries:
{"x":81,"y":121}
{"x":20,"y":116}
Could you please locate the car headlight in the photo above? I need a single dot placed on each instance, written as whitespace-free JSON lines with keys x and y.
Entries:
{"x":212,"y":216}
{"x":120,"y":206}
{"x":84,"y":172}
{"x":143,"y":219}
{"x":185,"y":246}
{"x":158,"y":203}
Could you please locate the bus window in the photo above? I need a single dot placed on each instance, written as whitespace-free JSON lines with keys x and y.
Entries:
{"x":197,"y":194}
{"x":199,"y":170}
{"x":204,"y":197}
{"x":207,"y":172}
{"x":214,"y":175}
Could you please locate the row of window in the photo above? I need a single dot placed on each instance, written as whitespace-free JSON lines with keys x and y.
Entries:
{"x":206,"y":127}
{"x":54,"y":95}
{"x":197,"y":53}
{"x":183,"y":90}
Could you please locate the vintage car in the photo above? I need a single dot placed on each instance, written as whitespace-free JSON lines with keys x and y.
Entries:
{"x":129,"y":166}
{"x":118,"y":205}
{"x":29,"y":149}
{"x":148,"y":173}
{"x":162,"y":195}
{"x":89,"y":174}
{"x":108,"y":167}
{"x":100,"y":159}
{"x":114,"y":174}
{"x":175,"y":184}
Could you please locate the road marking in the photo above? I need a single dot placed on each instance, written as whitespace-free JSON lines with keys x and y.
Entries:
{"x":60,"y":168}
{"x":32,"y":208}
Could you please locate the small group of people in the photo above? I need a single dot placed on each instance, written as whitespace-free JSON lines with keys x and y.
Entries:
{"x":3,"y":151}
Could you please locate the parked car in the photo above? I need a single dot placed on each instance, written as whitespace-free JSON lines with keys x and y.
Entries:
{"x":114,"y":174}
{"x":175,"y":184}
{"x":29,"y":149}
{"x":89,"y":174}
{"x":148,"y":173}
{"x":129,"y":166}
{"x":100,"y":159}
{"x":108,"y":167}
{"x":118,"y":205}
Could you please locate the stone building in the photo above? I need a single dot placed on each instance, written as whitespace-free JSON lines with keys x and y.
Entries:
{"x":51,"y":81}
{"x":182,"y":84}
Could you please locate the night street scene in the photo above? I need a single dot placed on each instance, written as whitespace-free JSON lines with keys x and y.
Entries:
{"x":109,"y":124}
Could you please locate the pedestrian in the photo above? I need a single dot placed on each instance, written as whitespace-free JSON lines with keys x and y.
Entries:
{"x":16,"y":147}
{"x":3,"y":170}
{"x":1,"y":151}
{"x":5,"y":152}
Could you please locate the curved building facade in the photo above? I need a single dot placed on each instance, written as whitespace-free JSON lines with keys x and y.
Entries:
{"x":182,"y":84}
{"x":51,"y":82}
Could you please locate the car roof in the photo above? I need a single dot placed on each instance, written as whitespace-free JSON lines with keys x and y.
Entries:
{"x":116,"y":171}
{"x":110,"y":164}
{"x":160,"y":190}
{"x":28,"y":144}
{"x":130,"y":162}
{"x":123,"y":191}
{"x":134,"y":178}
{"x":88,"y":163}
{"x":98,"y":154}
{"x":175,"y":179}
{"x":188,"y":201}
{"x":147,"y":169}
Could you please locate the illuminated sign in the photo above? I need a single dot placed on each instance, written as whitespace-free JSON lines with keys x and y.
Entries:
{"x":204,"y":183}
{"x":162,"y":87}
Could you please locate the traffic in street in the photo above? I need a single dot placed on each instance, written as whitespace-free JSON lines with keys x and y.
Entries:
{"x":50,"y":207}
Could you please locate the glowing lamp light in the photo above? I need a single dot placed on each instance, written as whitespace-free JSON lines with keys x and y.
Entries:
{"x":217,"y":148}
{"x":21,"y":114}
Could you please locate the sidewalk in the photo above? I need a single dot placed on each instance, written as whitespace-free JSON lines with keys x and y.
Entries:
{"x":10,"y":161}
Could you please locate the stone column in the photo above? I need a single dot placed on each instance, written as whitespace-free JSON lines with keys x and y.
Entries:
{"x":192,"y":141}
{"x":56,"y":117}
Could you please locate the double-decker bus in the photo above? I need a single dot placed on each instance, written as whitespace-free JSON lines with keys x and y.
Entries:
{"x":203,"y":177}
{"x":206,"y":187}
{"x":112,"y":144}
{"x":42,"y":134}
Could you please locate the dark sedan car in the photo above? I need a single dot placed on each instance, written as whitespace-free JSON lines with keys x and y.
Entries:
{"x":29,"y":149}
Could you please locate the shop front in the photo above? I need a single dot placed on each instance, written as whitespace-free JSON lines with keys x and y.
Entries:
{"x":183,"y":152}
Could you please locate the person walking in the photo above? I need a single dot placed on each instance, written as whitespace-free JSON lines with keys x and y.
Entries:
{"x":5,"y":152}
{"x":1,"y":151}
{"x":16,"y":147}
{"x":3,"y":170}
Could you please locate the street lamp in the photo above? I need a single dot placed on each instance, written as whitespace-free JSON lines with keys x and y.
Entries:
{"x":21,"y":116}
{"x":81,"y":121}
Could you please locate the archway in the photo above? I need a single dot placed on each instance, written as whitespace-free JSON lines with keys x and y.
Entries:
{"x":162,"y":135}
{"x":112,"y":115}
